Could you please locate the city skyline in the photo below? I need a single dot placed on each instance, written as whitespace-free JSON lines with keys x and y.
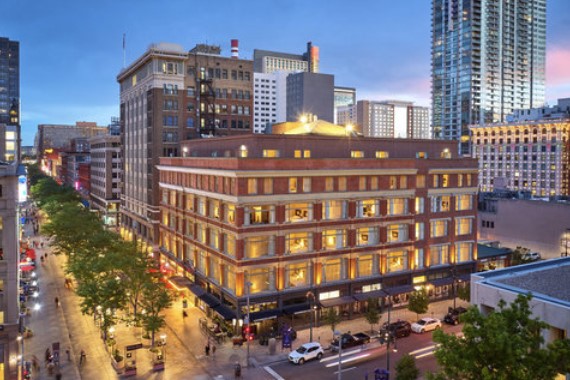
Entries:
{"x":370,"y":47}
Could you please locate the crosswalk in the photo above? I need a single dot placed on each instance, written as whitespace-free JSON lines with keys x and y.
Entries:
{"x":423,"y":352}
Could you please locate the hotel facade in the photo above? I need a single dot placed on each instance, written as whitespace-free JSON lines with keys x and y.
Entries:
{"x":274,"y":219}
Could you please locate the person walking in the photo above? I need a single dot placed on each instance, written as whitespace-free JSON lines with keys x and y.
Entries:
{"x":56,"y":302}
{"x":207,"y":349}
{"x":214,"y":351}
{"x":82,"y":357}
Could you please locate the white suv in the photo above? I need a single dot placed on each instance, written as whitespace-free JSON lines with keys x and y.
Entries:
{"x":307,"y":351}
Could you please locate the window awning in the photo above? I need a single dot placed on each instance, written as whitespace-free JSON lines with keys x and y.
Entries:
{"x":225,"y":312}
{"x":263,"y":315}
{"x":210,"y":299}
{"x":297,"y":309}
{"x":372,"y":294}
{"x":336,"y":301}
{"x":441,"y":281}
{"x":197,"y":290}
{"x":399,"y":290}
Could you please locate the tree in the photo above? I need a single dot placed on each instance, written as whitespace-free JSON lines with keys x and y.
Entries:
{"x":406,"y":368}
{"x":332,"y":318}
{"x":419,"y":302}
{"x":372,"y":314}
{"x":155,"y":299}
{"x":464,"y":293}
{"x":507,"y":344}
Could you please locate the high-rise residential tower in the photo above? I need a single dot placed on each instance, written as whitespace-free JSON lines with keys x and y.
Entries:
{"x":9,"y":77}
{"x":488,"y":59}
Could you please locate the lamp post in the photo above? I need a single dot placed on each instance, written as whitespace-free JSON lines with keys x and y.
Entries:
{"x":21,"y":340}
{"x":336,"y":332}
{"x":389,"y":334}
{"x":311,"y":299}
{"x":248,"y":289}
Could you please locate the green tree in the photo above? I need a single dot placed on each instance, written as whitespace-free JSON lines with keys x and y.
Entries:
{"x":507,"y":344}
{"x":372,"y":314}
{"x":464,"y":293}
{"x":332,"y":318}
{"x":406,"y":368}
{"x":419,"y":302}
{"x":155,"y":298}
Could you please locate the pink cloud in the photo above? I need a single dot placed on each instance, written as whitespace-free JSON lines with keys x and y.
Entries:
{"x":557,"y":66}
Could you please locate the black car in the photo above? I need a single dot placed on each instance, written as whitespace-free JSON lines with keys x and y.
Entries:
{"x":452,"y":316}
{"x":398,"y":329}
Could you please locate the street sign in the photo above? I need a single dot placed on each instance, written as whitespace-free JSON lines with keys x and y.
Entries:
{"x":133,"y":347}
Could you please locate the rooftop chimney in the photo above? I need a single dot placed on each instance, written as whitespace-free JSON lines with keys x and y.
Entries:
{"x":235,"y":49}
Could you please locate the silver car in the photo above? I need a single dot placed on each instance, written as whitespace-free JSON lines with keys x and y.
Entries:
{"x":426,"y":324}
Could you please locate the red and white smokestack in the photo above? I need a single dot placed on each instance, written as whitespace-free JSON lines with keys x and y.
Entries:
{"x":235,"y":49}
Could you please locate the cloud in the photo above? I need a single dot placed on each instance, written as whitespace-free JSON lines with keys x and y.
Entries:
{"x":557,"y":73}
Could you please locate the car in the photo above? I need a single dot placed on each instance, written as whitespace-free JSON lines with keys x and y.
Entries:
{"x":426,"y":324}
{"x":349,"y":340}
{"x":452,"y":316}
{"x":306,"y":352}
{"x":531,"y":256}
{"x":398,"y":329}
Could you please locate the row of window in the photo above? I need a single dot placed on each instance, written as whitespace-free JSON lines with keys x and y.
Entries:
{"x":304,"y":274}
{"x":303,"y":242}
{"x":304,"y":211}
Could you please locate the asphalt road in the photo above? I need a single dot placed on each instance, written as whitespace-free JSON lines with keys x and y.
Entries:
{"x":356,"y":363}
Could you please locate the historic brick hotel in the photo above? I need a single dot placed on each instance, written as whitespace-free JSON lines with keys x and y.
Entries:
{"x":344,"y":218}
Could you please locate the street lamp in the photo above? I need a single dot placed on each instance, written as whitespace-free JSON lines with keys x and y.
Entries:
{"x":335,"y":333}
{"x":311,"y":299}
{"x":248,"y":289}
{"x":389,"y":334}
{"x":21,"y":340}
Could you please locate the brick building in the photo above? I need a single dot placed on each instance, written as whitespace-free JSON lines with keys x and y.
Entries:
{"x":169,"y":95}
{"x":344,"y":218}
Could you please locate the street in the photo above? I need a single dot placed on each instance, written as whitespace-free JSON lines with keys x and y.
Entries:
{"x":356,"y":363}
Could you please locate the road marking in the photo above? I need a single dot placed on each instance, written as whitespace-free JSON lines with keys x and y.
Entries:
{"x":344,"y":370}
{"x":348,"y":360}
{"x":423,"y":349}
{"x":273,"y":373}
{"x":344,"y":353}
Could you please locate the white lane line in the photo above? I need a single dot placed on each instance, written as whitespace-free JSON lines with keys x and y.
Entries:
{"x":344,"y":370}
{"x":424,"y":355}
{"x":344,"y":353}
{"x":348,"y":360}
{"x":273,"y":373}
{"x":423,"y":349}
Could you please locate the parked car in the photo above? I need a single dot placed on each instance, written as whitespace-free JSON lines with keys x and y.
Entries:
{"x":531,"y":256}
{"x":452,"y":316}
{"x":398,"y":329}
{"x":426,"y":324}
{"x":306,"y":352}
{"x":349,"y":340}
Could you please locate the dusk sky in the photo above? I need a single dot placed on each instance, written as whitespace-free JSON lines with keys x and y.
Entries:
{"x":72,"y":51}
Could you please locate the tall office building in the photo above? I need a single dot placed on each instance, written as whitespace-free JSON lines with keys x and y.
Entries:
{"x":9,"y":77}
{"x":390,"y":118}
{"x":265,"y":61}
{"x":169,"y":95}
{"x":269,"y":99}
{"x":488,"y":59}
{"x":310,"y":93}
{"x":343,"y":97}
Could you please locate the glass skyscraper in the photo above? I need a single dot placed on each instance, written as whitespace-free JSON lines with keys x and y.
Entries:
{"x":9,"y":77}
{"x":488,"y":59}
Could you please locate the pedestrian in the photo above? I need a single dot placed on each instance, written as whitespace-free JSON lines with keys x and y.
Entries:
{"x":207,"y":349}
{"x":68,"y":353}
{"x":82,"y":357}
{"x":56,"y":302}
{"x":214,"y":351}
{"x":48,"y":355}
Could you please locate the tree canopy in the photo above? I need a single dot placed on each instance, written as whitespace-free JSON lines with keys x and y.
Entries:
{"x":507,"y":344}
{"x":419,"y":301}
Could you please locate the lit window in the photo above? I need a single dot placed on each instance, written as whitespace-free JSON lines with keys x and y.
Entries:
{"x":420,"y":181}
{"x":252,"y":186}
{"x":293,"y":185}
{"x":270,"y":153}
{"x":463,"y":226}
{"x":357,"y":154}
{"x":382,"y":154}
{"x":438,"y":228}
{"x":268,"y":185}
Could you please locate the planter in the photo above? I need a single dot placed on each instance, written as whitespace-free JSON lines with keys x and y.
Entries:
{"x":118,"y":366}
